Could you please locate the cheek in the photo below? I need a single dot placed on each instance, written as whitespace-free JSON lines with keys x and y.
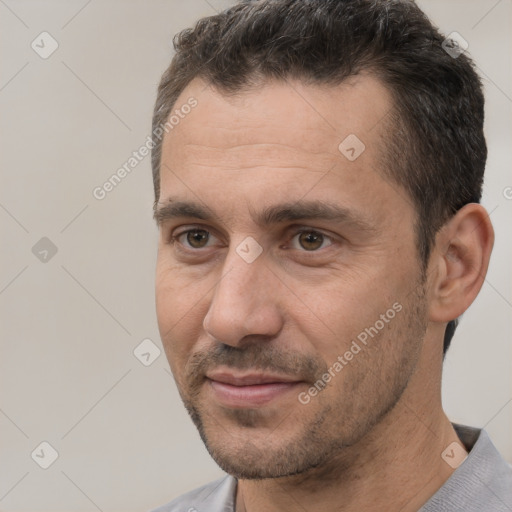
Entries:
{"x":180,"y":314}
{"x":347,"y":307}
{"x":166,"y":300}
{"x":337,"y":305}
{"x":172,"y":293}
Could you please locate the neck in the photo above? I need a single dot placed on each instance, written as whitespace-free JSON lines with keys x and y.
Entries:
{"x":396,"y":466}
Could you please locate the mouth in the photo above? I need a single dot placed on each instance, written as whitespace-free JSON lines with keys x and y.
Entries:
{"x":249,"y":390}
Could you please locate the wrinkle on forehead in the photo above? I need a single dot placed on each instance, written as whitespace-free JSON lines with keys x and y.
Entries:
{"x":248,"y":156}
{"x":312,"y":118}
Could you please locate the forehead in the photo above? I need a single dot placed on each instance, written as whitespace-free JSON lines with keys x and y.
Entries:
{"x":286,"y":118}
{"x":283,"y":140}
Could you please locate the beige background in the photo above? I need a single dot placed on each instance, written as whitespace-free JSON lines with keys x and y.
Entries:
{"x":70,"y":325}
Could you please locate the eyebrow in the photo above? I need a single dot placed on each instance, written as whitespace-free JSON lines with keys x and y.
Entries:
{"x":285,"y":212}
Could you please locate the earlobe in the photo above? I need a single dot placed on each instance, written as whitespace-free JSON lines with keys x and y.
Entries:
{"x":459,"y":262}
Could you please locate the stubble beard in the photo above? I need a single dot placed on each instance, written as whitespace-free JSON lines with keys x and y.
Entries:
{"x":312,"y":438}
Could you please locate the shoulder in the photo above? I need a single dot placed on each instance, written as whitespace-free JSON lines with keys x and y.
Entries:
{"x":482,"y":482}
{"x":217,"y":496}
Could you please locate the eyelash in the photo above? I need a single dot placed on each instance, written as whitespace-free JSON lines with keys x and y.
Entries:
{"x":173,"y":239}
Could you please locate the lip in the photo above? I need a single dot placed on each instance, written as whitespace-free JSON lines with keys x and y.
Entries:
{"x":249,"y":390}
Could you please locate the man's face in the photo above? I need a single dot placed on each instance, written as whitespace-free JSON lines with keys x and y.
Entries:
{"x":254,"y":311}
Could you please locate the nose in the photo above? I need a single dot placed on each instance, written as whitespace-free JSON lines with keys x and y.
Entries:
{"x":245,"y":302}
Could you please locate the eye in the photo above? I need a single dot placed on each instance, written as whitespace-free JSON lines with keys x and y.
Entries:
{"x":311,"y":240}
{"x":308,"y":240}
{"x":192,"y":238}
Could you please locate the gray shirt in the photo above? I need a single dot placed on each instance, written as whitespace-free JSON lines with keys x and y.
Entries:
{"x":482,"y":483}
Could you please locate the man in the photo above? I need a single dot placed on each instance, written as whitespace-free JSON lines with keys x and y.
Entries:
{"x":317,"y":168}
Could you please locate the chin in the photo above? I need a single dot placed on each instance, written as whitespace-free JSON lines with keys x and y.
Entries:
{"x":258,"y":454}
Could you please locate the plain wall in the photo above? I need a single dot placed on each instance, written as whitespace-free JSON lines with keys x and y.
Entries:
{"x":70,"y":325}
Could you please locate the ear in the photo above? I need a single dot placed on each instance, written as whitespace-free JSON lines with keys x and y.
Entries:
{"x":459,"y":262}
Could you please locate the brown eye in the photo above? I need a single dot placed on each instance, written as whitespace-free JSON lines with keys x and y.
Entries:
{"x":311,"y":240}
{"x":197,"y":238}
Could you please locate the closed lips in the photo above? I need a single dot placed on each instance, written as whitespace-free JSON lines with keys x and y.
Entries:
{"x":250,"y":380}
